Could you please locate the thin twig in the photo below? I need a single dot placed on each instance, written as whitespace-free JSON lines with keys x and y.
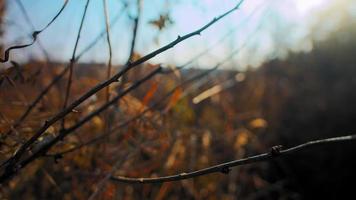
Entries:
{"x":34,"y":35}
{"x":102,"y":33}
{"x":133,"y":41}
{"x":223,"y":38}
{"x":29,"y":21}
{"x":108,"y":74}
{"x":107,"y":177}
{"x":274,"y":152}
{"x":72,"y":62}
{"x":107,"y":27}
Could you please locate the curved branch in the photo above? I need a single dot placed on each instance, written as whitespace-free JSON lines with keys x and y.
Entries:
{"x":275,"y":151}
{"x":29,"y":21}
{"x":34,"y":35}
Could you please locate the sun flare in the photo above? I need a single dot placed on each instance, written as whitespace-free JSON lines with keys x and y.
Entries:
{"x":305,"y":6}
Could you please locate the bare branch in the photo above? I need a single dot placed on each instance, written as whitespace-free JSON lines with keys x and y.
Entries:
{"x":274,"y":152}
{"x":107,"y":27}
{"x":28,"y":19}
{"x":135,"y":30}
{"x":107,"y":177}
{"x":34,"y":35}
{"x":102,"y":33}
{"x":72,"y":62}
{"x":133,"y":41}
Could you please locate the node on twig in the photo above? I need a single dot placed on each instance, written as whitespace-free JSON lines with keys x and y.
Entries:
{"x":225,"y":170}
{"x":276,"y":150}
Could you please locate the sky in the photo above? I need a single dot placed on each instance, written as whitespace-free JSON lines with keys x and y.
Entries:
{"x":259,"y":31}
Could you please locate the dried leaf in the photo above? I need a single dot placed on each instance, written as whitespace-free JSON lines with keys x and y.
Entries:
{"x":258,"y":123}
{"x":149,"y":95}
{"x":174,"y":99}
{"x":162,"y":22}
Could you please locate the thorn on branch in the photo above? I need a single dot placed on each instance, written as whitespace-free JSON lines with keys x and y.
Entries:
{"x":225,"y":170}
{"x":276,"y":150}
{"x":75,"y":111}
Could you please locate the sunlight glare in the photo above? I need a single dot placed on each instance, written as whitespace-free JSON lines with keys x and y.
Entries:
{"x":305,"y":6}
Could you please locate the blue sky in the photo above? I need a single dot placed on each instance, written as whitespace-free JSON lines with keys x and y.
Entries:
{"x":283,"y":26}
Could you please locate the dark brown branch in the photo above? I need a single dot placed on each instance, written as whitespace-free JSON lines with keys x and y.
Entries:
{"x":108,"y":40}
{"x":28,"y":19}
{"x":12,"y":161}
{"x":34,"y":35}
{"x":133,"y":42}
{"x":72,"y":62}
{"x":102,"y":33}
{"x":108,"y":73}
{"x":225,"y":167}
{"x":135,"y":30}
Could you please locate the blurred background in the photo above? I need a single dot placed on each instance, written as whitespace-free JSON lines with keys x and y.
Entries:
{"x":286,"y":76}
